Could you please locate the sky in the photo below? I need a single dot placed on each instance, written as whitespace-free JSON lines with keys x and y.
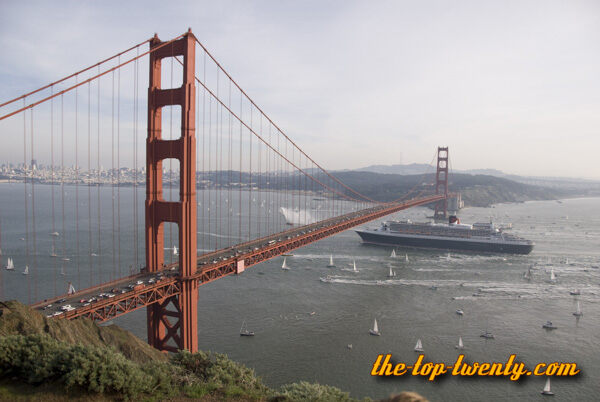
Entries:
{"x":508,"y":85}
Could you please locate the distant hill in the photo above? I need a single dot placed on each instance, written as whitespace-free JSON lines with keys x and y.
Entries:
{"x":504,"y":191}
{"x":476,"y":190}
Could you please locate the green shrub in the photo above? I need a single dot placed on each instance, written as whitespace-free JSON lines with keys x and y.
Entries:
{"x":304,"y":391}
{"x":35,"y":359}
{"x":219,"y":370}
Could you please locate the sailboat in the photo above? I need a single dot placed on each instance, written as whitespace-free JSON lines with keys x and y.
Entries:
{"x":527,"y":274}
{"x":448,"y":257}
{"x":375,"y":330}
{"x":546,"y":390}
{"x":392,"y":273}
{"x":175,"y":250}
{"x":393,"y":255}
{"x":331,"y":264}
{"x":284,"y":265}
{"x":62,"y":271}
{"x":53,"y":252}
{"x":552,"y":276}
{"x":578,"y":312}
{"x":419,"y":346}
{"x":354,"y":266}
{"x":460,"y":343}
{"x":244,"y":331}
{"x":10,"y":266}
{"x":406,"y":257}
{"x":26,"y":272}
{"x":71,"y":289}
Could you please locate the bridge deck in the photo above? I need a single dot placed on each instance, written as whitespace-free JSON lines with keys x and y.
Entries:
{"x":140,"y":290}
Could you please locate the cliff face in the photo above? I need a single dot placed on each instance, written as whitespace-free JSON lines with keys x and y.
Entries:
{"x":18,"y":319}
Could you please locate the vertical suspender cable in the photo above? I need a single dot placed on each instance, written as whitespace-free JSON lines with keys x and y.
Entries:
{"x":62,"y":183}
{"x":135,"y":162}
{"x":240,"y":184}
{"x":26,"y":200}
{"x":171,"y":166}
{"x":77,"y":185}
{"x":119,"y":168}
{"x":250,"y":179}
{"x":52,"y":186}
{"x":211,"y":177}
{"x":203,"y":186}
{"x":89,"y":187}
{"x":99,"y":253}
{"x":34,"y":267}
{"x":230,"y":166}
{"x":112,"y":175}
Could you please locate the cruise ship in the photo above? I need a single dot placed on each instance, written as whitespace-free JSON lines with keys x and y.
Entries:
{"x":478,"y":237}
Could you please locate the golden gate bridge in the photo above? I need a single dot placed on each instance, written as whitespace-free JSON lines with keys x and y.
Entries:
{"x":246,"y":168}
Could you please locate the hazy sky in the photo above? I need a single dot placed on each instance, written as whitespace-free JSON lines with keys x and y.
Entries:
{"x":511,"y":85}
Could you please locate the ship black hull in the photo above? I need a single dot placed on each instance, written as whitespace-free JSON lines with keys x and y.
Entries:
{"x":445,"y":244}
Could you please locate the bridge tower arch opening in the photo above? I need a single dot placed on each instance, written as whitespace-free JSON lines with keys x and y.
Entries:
{"x":172,"y":322}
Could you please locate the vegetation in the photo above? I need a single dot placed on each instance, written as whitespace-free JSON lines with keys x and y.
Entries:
{"x":41,"y":360}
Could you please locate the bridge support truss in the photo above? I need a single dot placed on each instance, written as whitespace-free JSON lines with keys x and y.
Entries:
{"x":441,"y":184}
{"x":172,"y":321}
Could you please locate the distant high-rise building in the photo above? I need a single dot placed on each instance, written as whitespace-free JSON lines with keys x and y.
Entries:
{"x":34,"y":163}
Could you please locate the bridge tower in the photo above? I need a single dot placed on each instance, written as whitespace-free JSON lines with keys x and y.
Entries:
{"x":441,"y":184}
{"x":173,"y":321}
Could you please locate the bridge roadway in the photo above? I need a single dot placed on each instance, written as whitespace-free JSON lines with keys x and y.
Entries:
{"x":112,"y":299}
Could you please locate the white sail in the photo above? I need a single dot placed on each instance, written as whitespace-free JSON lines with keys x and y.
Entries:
{"x":547,"y":386}
{"x":9,"y":264}
{"x":448,"y":256}
{"x":284,"y":265}
{"x":460,"y":343}
{"x":354,"y":266}
{"x":375,"y":327}
{"x":71,"y":289}
{"x":391,"y":273}
{"x":62,"y":271}
{"x":552,"y":276}
{"x":393,"y":255}
{"x":578,"y":311}
{"x":26,"y":272}
{"x":406,"y":257}
{"x":331,"y":264}
{"x":175,"y":250}
{"x":419,"y":345}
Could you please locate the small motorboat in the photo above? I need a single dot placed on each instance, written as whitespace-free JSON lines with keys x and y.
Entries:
{"x":575,"y":292}
{"x":549,"y":325}
{"x":460,"y":312}
{"x":349,"y":346}
{"x":433,"y":287}
{"x":326,"y":279}
{"x":487,"y":335}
